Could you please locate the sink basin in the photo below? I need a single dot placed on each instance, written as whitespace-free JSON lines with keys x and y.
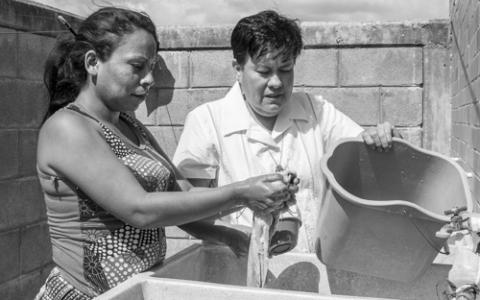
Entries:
{"x":214,"y":272}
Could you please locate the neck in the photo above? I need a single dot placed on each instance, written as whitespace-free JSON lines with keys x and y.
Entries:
{"x":97,"y":108}
{"x":266,"y":122}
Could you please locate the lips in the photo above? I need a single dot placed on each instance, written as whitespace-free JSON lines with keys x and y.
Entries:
{"x":274,"y":96}
{"x":142,"y":95}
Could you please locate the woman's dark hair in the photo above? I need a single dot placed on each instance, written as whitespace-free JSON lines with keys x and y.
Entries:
{"x":102,"y":31}
{"x":264,"y":32}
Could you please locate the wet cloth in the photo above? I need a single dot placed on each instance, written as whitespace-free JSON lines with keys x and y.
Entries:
{"x":222,"y":141}
{"x":93,"y":250}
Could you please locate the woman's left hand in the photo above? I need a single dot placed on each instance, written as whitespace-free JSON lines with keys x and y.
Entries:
{"x":380,"y":137}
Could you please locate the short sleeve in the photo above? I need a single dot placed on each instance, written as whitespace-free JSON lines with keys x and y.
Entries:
{"x":335,"y":125}
{"x":196,"y":155}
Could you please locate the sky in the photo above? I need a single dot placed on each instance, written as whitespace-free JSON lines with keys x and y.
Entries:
{"x":213,"y":12}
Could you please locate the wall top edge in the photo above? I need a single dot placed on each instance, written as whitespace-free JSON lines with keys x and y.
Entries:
{"x":318,"y":34}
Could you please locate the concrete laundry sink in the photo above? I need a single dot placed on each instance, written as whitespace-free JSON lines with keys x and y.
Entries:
{"x":214,"y":272}
{"x":375,"y":234}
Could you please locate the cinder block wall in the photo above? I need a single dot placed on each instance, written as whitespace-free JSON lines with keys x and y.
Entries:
{"x":25,"y":252}
{"x":373,"y":72}
{"x":465,"y":88}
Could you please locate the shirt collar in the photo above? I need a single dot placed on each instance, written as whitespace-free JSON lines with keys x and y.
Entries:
{"x":292,"y":111}
{"x":235,"y":112}
{"x":239,"y":117}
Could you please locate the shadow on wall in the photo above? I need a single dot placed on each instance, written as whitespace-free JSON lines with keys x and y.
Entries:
{"x":163,"y":89}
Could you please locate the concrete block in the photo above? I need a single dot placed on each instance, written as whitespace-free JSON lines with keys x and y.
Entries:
{"x":360,"y":104}
{"x":10,"y":290}
{"x":35,"y":247}
{"x":185,"y":101}
{"x":402,"y":106}
{"x":476,"y":140}
{"x":32,"y":53}
{"x":211,"y":68}
{"x":375,"y":33}
{"x":474,"y":114}
{"x":412,"y":135}
{"x":167,"y":137}
{"x":23,"y":203}
{"x":30,"y":284}
{"x":10,"y":249}
{"x":475,"y":193}
{"x":28,"y":152}
{"x":454,"y":147}
{"x":195,"y":37}
{"x":469,"y":158}
{"x":461,"y":115}
{"x":176,"y":232}
{"x":11,"y":114}
{"x":33,"y":98}
{"x":437,"y":100}
{"x":24,"y":287}
{"x":148,"y":113}
{"x":24,"y":103}
{"x":9,"y":154}
{"x":170,"y":106}
{"x":8,"y":50}
{"x":172,"y":70}
{"x":8,"y":190}
{"x":316,"y":67}
{"x":381,"y":66}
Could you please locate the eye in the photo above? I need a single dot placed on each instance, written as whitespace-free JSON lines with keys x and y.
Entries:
{"x":263,"y":71}
{"x":138,"y":66}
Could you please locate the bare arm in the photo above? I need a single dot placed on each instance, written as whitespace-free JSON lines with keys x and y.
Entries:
{"x":71,"y":147}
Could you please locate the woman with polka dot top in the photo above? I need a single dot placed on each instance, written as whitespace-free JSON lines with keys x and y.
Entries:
{"x":109,"y":188}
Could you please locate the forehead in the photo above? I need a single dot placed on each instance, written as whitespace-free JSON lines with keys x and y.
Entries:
{"x":272,"y":58}
{"x":138,"y":43}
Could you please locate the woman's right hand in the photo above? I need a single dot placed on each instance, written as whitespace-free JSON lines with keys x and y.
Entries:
{"x":265,"y":193}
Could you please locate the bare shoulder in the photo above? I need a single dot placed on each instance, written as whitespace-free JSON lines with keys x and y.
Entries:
{"x":62,"y":134}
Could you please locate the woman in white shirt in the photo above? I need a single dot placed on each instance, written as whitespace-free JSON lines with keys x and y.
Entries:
{"x":261,"y":126}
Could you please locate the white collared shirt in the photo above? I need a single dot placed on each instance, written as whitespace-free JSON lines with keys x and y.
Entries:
{"x":221,"y":140}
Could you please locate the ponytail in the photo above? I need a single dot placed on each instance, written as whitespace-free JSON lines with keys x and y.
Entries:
{"x":64,"y":73}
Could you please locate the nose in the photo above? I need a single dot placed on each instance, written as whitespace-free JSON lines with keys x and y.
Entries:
{"x":275,"y":82}
{"x":147,"y":81}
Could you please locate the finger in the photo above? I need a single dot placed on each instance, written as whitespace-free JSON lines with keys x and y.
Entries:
{"x":376,"y":139}
{"x":272,"y":177}
{"x":384,"y":135}
{"x":257,"y":206}
{"x":367,"y":138}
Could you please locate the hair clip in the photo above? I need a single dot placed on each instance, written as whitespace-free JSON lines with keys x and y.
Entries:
{"x":66,"y":24}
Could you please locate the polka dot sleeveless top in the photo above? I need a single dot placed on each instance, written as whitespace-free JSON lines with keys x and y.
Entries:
{"x":103,"y":251}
